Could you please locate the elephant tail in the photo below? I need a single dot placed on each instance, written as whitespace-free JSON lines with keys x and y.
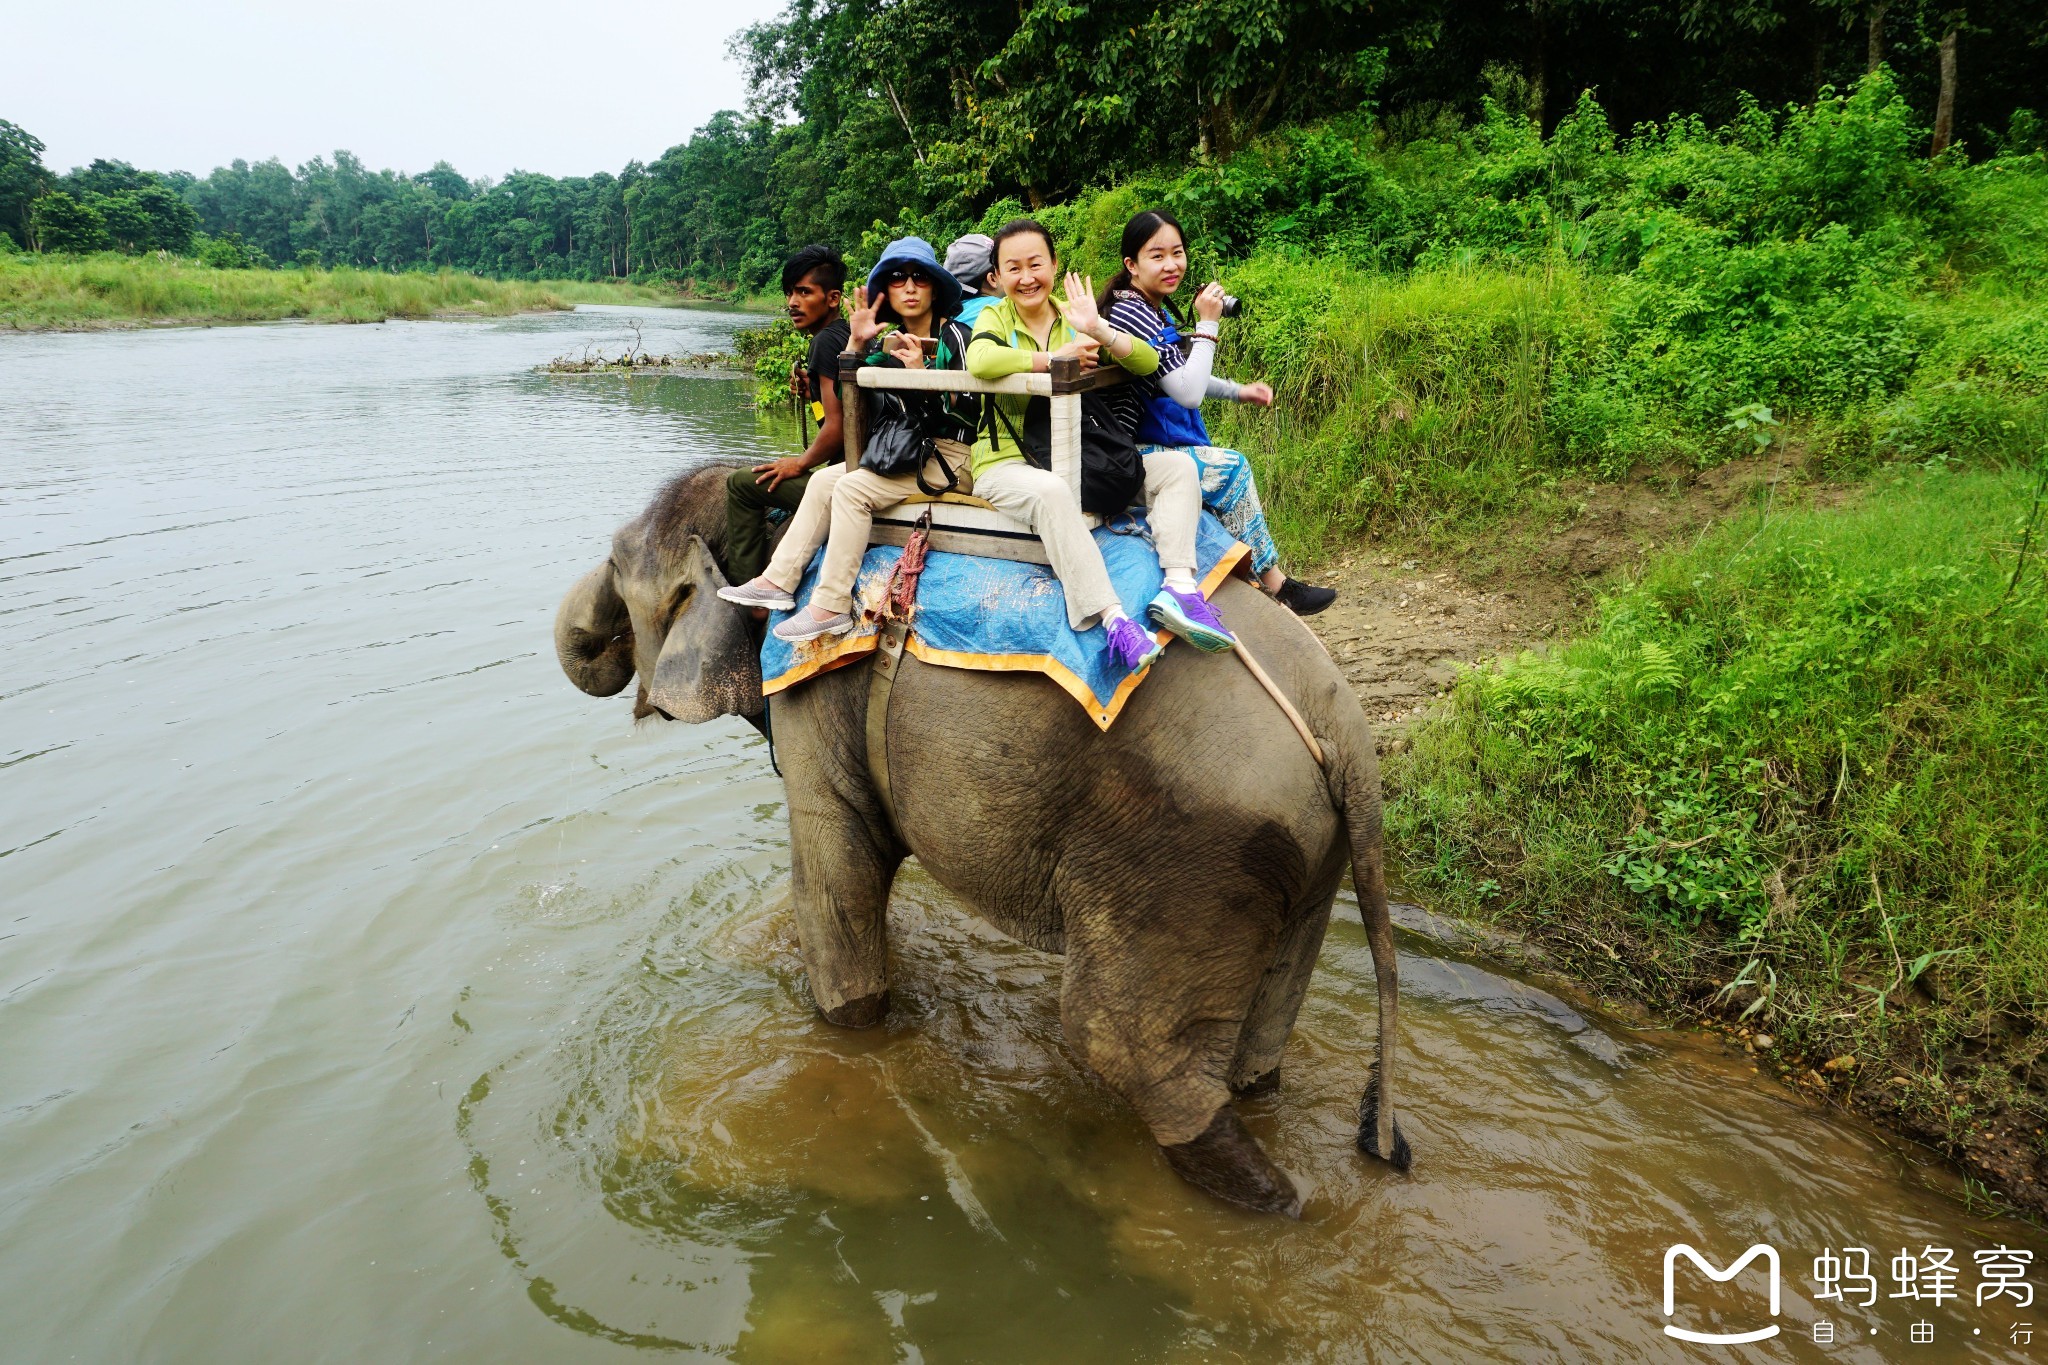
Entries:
{"x":1354,"y":780}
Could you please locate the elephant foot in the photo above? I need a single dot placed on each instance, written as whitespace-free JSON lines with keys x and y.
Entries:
{"x":1258,"y":1086}
{"x":865,"y":1012}
{"x":1227,"y":1161}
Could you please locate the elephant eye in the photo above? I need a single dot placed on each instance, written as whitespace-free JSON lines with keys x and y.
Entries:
{"x":681,"y":599}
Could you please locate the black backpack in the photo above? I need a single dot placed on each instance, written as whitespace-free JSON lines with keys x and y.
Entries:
{"x":1112,"y":471}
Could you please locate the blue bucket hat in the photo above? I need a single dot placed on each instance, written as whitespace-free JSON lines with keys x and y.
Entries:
{"x":918,"y":252}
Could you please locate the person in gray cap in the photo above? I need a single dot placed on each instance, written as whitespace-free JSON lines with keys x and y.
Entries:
{"x":968,"y":261}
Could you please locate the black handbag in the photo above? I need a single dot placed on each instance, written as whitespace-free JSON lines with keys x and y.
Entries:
{"x":901,"y":442}
{"x":896,"y":443}
{"x":904,"y":430}
{"x":1112,"y":470}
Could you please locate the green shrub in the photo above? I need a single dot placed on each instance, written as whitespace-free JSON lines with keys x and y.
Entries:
{"x":228,"y":252}
{"x":1819,"y":738}
{"x":1451,"y":320}
{"x":770,"y":351}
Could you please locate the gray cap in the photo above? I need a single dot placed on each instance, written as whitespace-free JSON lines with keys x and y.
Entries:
{"x":967,"y":260}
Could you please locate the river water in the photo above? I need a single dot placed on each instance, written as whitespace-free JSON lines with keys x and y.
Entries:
{"x":369,"y":994}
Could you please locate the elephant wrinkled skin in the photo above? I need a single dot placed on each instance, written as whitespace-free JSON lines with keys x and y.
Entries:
{"x":1184,"y":862}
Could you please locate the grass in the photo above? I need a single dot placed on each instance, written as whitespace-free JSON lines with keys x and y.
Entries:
{"x":1797,"y":774}
{"x":39,"y":292}
{"x":1401,"y":399}
{"x":1435,"y":404}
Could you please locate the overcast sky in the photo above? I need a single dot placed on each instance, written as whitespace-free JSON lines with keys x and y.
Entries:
{"x":561,"y":87}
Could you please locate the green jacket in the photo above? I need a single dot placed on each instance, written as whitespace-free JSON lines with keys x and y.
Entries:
{"x":1002,"y":347}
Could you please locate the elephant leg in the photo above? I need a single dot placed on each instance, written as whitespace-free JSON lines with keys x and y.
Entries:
{"x":841,"y":871}
{"x":1285,"y":985}
{"x":1227,"y":1161}
{"x":1161,"y":1025}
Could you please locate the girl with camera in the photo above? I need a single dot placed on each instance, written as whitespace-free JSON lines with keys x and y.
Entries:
{"x":1164,"y":409}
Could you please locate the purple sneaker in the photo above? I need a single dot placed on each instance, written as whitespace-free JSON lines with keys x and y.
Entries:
{"x":1189,"y":615}
{"x":1130,"y":646}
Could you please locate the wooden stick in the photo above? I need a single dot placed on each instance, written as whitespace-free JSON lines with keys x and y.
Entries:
{"x":1294,"y":717}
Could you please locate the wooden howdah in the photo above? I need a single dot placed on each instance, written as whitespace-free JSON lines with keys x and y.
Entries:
{"x":966,"y":524}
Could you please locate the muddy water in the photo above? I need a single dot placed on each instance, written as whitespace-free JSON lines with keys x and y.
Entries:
{"x":366,"y":993}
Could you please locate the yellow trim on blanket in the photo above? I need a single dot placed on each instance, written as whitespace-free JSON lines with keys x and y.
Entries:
{"x":845,"y":650}
{"x":1033,"y":663}
{"x":850,"y":650}
{"x":1230,"y":560}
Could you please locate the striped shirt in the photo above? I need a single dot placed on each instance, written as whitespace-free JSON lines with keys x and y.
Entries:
{"x":1130,"y":311}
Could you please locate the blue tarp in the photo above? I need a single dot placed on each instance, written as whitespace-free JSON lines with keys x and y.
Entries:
{"x":999,"y":615}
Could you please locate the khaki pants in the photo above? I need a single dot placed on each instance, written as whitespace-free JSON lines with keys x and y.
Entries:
{"x":1042,"y":501}
{"x":838,"y":511}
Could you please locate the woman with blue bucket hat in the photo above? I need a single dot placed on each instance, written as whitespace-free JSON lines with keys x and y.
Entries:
{"x":906,"y":307}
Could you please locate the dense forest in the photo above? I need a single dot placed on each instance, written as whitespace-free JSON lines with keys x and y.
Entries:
{"x":929,"y":112}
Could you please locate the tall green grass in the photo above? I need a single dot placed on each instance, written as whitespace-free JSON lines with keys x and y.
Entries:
{"x":1436,"y":400}
{"x":1809,"y":754}
{"x":1399,"y":398}
{"x":69,"y":291}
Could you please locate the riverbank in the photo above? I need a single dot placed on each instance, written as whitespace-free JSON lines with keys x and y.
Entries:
{"x":39,"y":293}
{"x":1751,"y":748}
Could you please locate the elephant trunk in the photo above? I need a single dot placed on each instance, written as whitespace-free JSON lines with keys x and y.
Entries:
{"x":594,"y":634}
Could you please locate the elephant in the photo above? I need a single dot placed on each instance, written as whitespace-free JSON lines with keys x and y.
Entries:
{"x":1184,"y":862}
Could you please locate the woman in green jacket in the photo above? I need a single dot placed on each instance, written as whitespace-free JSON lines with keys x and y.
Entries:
{"x":1022,"y":333}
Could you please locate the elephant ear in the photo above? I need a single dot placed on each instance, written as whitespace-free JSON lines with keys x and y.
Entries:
{"x":709,"y":666}
{"x":594,"y":634}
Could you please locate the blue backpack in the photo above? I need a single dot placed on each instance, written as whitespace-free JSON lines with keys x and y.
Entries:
{"x":1167,"y":423}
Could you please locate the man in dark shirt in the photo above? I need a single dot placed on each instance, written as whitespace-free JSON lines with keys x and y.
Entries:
{"x":811,"y":283}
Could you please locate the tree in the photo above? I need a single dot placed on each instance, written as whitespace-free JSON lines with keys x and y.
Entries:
{"x":60,"y":223}
{"x":445,"y":181}
{"x":703,"y":208}
{"x":22,"y":180}
{"x":1945,"y":102}
{"x":873,"y":117}
{"x":148,"y":218}
{"x":106,"y":178}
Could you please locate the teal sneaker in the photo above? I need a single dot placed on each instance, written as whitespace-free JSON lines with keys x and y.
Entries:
{"x":1189,"y":615}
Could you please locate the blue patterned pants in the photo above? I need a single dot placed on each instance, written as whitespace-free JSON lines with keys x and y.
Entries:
{"x":1228,"y":491}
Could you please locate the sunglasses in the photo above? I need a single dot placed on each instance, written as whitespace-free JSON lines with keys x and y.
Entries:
{"x":904,"y":276}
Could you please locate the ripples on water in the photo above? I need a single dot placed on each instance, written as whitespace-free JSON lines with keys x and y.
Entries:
{"x":368,"y":993}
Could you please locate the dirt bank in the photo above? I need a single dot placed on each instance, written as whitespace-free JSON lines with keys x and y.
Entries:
{"x":1410,"y":612}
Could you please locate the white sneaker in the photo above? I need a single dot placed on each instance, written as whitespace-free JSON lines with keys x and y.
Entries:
{"x":758,"y":593}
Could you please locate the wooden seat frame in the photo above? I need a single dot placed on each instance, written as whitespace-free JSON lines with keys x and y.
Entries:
{"x":964,"y":524}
